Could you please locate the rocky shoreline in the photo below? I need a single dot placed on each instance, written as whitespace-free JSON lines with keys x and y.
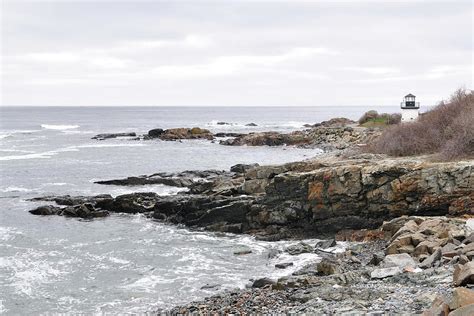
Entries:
{"x":407,"y":219}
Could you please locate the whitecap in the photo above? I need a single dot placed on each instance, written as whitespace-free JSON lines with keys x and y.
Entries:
{"x":14,"y":189}
{"x":43,"y":155}
{"x":58,"y":127}
{"x":111,"y":145}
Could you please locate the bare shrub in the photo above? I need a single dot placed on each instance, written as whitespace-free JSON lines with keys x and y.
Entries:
{"x":447,"y":130}
{"x":385,"y":118}
{"x":369,"y":115}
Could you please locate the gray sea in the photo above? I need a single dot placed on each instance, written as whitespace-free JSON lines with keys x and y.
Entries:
{"x":126,"y":263}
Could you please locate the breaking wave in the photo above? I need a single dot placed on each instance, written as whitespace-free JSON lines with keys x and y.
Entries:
{"x":58,"y":127}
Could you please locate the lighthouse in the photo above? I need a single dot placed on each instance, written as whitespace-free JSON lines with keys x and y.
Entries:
{"x":410,"y":108}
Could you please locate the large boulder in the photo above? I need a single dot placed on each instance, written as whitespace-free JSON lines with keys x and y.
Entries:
{"x":464,"y":274}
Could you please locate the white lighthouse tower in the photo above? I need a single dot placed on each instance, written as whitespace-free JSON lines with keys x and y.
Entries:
{"x":410,"y":108}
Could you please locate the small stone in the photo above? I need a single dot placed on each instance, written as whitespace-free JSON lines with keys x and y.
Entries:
{"x":283,"y":265}
{"x":385,"y":272}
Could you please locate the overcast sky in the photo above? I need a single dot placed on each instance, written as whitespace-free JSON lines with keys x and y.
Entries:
{"x":244,"y":53}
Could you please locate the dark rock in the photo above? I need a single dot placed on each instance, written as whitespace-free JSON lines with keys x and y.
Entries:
{"x":283,"y":265}
{"x":46,"y":210}
{"x":155,"y":133}
{"x":113,"y":135}
{"x":222,"y":134}
{"x":324,"y":244}
{"x":262,"y":282}
{"x":251,"y":124}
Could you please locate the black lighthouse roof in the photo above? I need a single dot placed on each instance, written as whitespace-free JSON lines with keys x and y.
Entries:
{"x":409,"y":95}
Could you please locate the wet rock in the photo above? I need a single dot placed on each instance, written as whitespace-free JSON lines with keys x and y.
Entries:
{"x":113,"y":135}
{"x":242,"y":251}
{"x":46,"y":210}
{"x":186,"y":133}
{"x":299,"y":248}
{"x":210,"y":287}
{"x":324,"y":244}
{"x":262,"y":282}
{"x":283,"y":265}
{"x":251,"y":124}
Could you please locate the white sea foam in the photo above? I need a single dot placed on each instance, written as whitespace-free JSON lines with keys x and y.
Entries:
{"x":8,"y":233}
{"x":111,"y":145}
{"x":16,"y":151}
{"x":58,"y":127}
{"x":14,"y":189}
{"x":3,"y":309}
{"x":5,"y":135}
{"x":43,"y":155}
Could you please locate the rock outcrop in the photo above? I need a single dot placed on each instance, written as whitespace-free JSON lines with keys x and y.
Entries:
{"x":181,"y":133}
{"x":113,"y":135}
{"x":308,"y":198}
{"x":329,"y":136}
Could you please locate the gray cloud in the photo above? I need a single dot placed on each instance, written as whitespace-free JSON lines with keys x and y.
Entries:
{"x":233,"y":53}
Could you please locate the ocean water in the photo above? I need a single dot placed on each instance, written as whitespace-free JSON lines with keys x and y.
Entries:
{"x":125,"y":263}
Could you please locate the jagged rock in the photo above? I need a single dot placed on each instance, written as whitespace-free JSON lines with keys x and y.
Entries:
{"x":431,"y":260}
{"x":464,"y":274}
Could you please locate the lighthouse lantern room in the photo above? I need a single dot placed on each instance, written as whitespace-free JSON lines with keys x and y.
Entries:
{"x":410,"y":108}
